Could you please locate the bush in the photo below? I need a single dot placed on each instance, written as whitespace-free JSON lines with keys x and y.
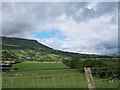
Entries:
{"x":15,"y":68}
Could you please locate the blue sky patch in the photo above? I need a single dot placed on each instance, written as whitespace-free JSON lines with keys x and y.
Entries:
{"x":49,"y":34}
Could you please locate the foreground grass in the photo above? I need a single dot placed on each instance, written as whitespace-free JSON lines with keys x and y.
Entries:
{"x":44,"y":80}
{"x":49,"y":75}
{"x":52,"y":79}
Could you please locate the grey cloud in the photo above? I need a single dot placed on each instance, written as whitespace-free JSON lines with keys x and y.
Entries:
{"x":100,"y":9}
{"x":85,"y":15}
{"x":27,"y":15}
{"x":119,"y":27}
{"x":107,"y":47}
{"x":21,"y":18}
{"x":16,"y":19}
{"x":105,"y":7}
{"x":72,"y":8}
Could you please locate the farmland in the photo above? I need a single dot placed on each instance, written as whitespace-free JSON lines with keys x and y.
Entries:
{"x":49,"y":75}
{"x":39,"y":65}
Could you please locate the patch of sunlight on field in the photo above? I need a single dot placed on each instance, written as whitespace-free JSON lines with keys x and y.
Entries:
{"x":39,"y":66}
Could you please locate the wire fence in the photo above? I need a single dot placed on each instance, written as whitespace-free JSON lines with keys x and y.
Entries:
{"x":101,"y":78}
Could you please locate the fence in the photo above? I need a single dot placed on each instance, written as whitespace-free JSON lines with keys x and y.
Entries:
{"x":72,"y":79}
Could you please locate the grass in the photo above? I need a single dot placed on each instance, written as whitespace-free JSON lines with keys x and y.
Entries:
{"x":39,"y":66}
{"x":38,"y":75}
{"x":65,"y":80}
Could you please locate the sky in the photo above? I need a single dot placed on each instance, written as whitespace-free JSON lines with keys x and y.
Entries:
{"x":83,"y":27}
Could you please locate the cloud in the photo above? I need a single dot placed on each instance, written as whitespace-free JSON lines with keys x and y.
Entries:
{"x":89,"y":27}
{"x":96,"y":36}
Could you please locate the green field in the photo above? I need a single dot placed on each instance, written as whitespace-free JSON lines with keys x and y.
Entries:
{"x":49,"y":75}
{"x":40,"y":65}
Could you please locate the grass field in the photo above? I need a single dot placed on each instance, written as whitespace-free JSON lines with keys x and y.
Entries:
{"x":40,"y":65}
{"x":49,"y":75}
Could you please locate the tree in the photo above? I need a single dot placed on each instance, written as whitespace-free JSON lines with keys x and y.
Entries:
{"x":74,"y":63}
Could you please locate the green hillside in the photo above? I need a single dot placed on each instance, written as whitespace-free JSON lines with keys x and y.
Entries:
{"x":18,"y":48}
{"x":24,"y":48}
{"x":19,"y":43}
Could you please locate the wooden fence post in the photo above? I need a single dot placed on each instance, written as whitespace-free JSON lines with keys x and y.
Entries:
{"x":89,"y":78}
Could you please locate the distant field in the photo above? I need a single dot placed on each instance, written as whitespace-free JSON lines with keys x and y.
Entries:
{"x":40,"y":65}
{"x":38,"y":75}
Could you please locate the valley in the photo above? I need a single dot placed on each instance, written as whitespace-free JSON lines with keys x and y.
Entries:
{"x":30,"y":64}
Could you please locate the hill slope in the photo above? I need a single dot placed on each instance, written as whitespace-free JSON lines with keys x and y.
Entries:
{"x":31,"y":49}
{"x":22,"y":48}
